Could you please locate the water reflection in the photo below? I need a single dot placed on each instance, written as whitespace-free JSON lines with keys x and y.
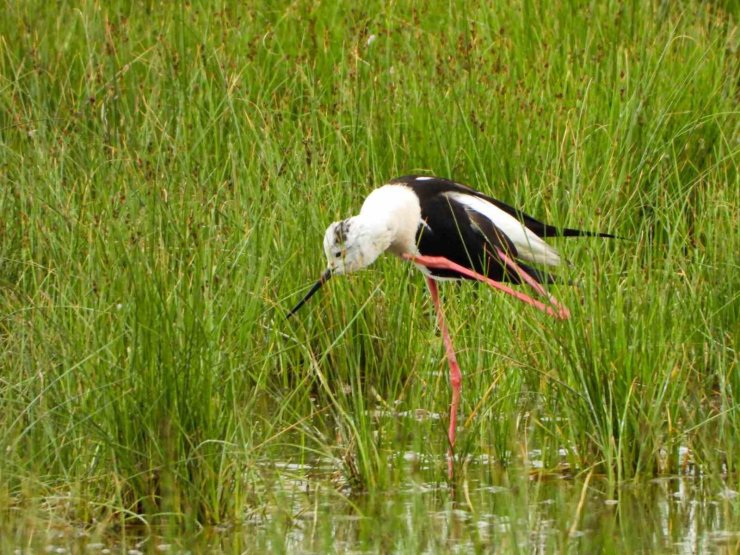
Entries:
{"x":489,"y":510}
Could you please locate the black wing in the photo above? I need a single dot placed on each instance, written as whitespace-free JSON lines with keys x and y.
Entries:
{"x":452,"y":230}
{"x":428,"y":186}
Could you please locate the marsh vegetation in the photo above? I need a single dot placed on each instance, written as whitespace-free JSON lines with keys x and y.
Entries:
{"x":167,"y":171}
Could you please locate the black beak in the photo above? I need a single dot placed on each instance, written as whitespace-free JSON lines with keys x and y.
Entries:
{"x":316,"y":286}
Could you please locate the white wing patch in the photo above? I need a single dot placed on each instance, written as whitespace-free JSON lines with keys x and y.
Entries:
{"x":529,"y":246}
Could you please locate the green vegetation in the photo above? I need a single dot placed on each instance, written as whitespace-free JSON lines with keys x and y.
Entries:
{"x":167,"y":171}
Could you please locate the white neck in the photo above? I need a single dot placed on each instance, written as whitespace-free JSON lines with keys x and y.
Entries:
{"x":392,"y":213}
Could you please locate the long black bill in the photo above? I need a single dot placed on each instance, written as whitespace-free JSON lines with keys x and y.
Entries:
{"x":316,"y":286}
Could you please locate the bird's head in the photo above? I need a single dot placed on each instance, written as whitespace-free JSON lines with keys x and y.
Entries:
{"x":350,"y":245}
{"x":353,"y":244}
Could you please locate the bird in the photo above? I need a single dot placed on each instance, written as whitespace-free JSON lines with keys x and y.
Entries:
{"x":449,"y":231}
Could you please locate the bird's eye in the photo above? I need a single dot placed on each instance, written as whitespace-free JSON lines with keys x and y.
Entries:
{"x":337,"y":254}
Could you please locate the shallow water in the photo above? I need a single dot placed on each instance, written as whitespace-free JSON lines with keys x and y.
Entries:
{"x":489,"y":510}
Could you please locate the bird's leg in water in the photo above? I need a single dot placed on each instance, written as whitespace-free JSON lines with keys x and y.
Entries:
{"x":455,"y":375}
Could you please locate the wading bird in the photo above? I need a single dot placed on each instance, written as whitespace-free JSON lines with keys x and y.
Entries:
{"x":450,"y":232}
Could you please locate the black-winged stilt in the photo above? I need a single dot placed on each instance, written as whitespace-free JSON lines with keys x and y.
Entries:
{"x":449,"y":231}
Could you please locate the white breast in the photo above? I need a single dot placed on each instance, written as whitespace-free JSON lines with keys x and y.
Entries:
{"x":529,"y":246}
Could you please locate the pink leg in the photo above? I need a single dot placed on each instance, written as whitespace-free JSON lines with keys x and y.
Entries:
{"x":563,"y":312}
{"x":441,"y":262}
{"x":455,"y":374}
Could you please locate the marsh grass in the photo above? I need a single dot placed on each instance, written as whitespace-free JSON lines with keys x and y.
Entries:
{"x":167,"y":174}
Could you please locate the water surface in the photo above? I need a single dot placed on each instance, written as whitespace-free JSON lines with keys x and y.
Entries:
{"x":489,"y":510}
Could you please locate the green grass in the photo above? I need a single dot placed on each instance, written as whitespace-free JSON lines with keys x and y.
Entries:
{"x":166,"y":175}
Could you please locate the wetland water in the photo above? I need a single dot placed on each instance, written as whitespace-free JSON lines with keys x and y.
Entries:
{"x":489,"y":510}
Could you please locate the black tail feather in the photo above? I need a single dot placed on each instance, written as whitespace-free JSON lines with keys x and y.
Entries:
{"x":568,"y":232}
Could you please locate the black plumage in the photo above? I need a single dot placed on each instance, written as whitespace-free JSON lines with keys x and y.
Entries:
{"x":469,"y":238}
